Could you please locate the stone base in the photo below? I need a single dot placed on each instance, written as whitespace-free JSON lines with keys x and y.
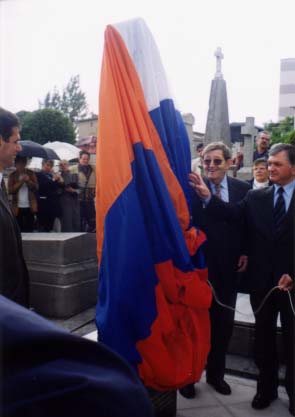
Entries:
{"x":63,"y":272}
{"x":164,"y":403}
{"x":242,"y":340}
{"x":245,"y":174}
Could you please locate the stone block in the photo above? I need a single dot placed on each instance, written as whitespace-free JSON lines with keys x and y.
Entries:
{"x":63,"y":272}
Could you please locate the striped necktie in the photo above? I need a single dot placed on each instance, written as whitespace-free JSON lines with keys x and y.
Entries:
{"x":218,"y":191}
{"x":280,"y":208}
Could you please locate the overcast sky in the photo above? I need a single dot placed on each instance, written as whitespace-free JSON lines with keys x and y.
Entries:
{"x":45,"y":42}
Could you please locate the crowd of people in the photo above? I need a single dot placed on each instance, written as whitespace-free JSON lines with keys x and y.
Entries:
{"x":250,"y":234}
{"x":54,"y":200}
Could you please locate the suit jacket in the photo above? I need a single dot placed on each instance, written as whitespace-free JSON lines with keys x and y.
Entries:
{"x":14,"y":280}
{"x":224,"y":244}
{"x":271,"y":252}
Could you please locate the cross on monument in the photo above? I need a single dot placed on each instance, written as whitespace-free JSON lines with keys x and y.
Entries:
{"x":249,"y":132}
{"x":219,"y":56}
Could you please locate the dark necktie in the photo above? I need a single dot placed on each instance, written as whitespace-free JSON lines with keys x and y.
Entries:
{"x":218,"y":191}
{"x":280,"y":208}
{"x":3,"y":188}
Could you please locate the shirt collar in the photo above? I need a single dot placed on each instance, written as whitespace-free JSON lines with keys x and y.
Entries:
{"x":288,"y":188}
{"x":223,"y":184}
{"x":260,"y":184}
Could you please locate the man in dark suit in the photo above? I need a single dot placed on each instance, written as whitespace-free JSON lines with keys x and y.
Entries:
{"x":269,"y":216}
{"x":262,"y":144}
{"x":224,"y":256}
{"x":14,"y":282}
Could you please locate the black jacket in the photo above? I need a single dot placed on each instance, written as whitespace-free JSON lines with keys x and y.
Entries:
{"x":271,"y":252}
{"x":14,"y":280}
{"x":224,"y":239}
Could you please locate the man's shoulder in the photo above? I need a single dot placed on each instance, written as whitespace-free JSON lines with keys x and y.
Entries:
{"x":260,"y":193}
{"x":238,"y":182}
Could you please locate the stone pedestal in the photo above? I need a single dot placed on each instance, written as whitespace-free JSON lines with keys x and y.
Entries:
{"x":245,"y":174}
{"x":164,"y":403}
{"x":63,"y":272}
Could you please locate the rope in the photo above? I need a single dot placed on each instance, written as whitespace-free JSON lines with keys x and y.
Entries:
{"x":258,"y":309}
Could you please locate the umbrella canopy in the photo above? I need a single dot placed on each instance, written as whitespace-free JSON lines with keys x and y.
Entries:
{"x":30,"y":149}
{"x":64,"y":150}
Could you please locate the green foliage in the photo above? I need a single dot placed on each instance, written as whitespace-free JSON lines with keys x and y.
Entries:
{"x":47,"y":125}
{"x":21,"y":115}
{"x":280,"y":131}
{"x":291,"y":138}
{"x":72,"y":101}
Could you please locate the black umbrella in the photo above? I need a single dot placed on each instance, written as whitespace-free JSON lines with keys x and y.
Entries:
{"x":30,"y":149}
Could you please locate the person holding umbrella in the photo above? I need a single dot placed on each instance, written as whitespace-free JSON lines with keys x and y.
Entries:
{"x":50,"y":186}
{"x":23,"y":185}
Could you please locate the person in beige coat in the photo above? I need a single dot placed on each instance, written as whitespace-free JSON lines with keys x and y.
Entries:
{"x":22,"y":185}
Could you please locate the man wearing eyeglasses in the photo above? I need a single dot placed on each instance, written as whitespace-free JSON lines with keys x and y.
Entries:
{"x":224,"y":256}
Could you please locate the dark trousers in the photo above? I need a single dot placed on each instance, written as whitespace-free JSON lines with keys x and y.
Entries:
{"x":265,"y":350}
{"x":25,"y":220}
{"x":70,"y":217}
{"x":222,"y":323}
{"x":87,"y":215}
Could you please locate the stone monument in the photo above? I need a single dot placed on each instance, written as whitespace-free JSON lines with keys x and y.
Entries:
{"x":249,"y":132}
{"x":217,"y":127}
{"x":63,"y":271}
{"x":189,"y":120}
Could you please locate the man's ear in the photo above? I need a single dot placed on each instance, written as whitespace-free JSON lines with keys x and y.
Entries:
{"x":229,"y":163}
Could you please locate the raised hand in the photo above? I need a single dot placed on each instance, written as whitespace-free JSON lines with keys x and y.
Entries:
{"x":198,"y":184}
{"x":285,"y":282}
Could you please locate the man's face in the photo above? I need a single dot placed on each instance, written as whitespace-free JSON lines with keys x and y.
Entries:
{"x":63,"y":166}
{"x":263,"y":142}
{"x":260,"y":172}
{"x":280,"y":170}
{"x":47,"y":167}
{"x":9,"y":149}
{"x":84,"y":160}
{"x":215,"y":166}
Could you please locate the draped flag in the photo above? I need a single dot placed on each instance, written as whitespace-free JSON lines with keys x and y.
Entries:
{"x":153,"y":302}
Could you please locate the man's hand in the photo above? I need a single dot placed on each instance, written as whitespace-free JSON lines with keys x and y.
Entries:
{"x":197,"y":183}
{"x":285,"y":282}
{"x":242,"y":263}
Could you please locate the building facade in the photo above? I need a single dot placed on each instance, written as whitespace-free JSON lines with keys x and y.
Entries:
{"x":287,"y":88}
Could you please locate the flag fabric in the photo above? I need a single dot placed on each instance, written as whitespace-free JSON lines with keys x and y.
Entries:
{"x":153,"y":302}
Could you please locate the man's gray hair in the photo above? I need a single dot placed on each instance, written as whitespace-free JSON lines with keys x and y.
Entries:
{"x":218,"y":146}
{"x":284,"y":147}
{"x":263,"y":132}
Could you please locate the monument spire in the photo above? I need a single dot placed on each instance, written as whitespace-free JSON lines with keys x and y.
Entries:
{"x":219,"y":56}
{"x":217,"y":128}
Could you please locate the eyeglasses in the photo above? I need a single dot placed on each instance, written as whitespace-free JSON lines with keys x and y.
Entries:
{"x":214,"y":161}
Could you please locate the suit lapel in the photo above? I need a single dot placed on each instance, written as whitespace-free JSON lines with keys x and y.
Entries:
{"x":289,"y":217}
{"x":265,"y":210}
{"x":4,"y":201}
